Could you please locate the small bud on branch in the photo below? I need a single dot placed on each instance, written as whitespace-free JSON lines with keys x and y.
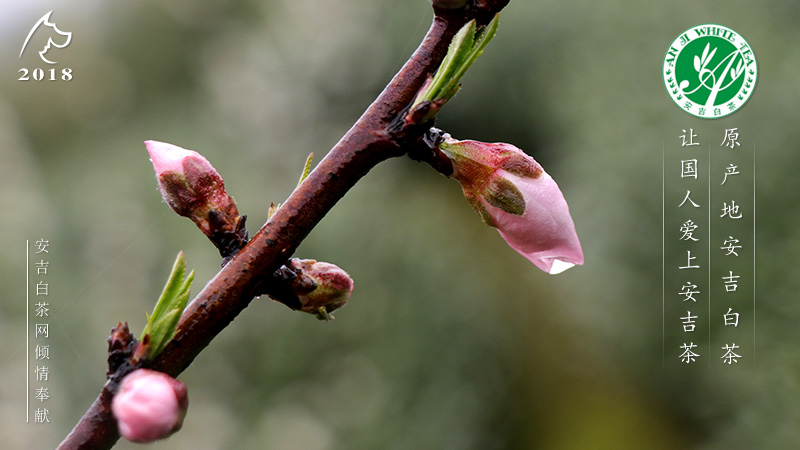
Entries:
{"x":193,"y":188}
{"x":333,"y":287}
{"x":149,"y":406}
{"x":311,"y":286}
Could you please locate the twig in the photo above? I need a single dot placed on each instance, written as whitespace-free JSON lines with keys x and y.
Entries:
{"x":374,"y":138}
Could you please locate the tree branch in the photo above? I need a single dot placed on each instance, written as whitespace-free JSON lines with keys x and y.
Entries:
{"x":374,"y":138}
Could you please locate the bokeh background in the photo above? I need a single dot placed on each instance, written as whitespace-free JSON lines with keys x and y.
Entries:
{"x":451,"y":340}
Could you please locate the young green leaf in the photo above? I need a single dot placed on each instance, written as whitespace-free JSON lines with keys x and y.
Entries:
{"x":465,"y":48}
{"x":306,"y":168}
{"x":273,"y":208}
{"x":162,"y":322}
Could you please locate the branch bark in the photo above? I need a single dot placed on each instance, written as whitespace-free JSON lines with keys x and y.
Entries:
{"x":374,"y":138}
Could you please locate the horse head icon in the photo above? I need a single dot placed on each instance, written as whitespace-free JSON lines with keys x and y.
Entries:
{"x":45,"y":20}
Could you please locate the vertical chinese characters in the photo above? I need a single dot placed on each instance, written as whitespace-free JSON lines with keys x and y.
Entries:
{"x":40,"y":305}
{"x":733,"y":274}
{"x":690,"y":212}
{"x":709,"y":271}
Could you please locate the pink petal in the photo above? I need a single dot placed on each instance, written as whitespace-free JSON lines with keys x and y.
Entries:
{"x":149,"y":405}
{"x":167,"y":157}
{"x":544,"y":233}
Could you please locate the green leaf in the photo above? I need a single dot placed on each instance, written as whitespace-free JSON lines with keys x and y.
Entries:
{"x":162,"y":323}
{"x":479,"y":44}
{"x":172,"y":287}
{"x":163,"y":331}
{"x":465,"y":48}
{"x":457,"y":54}
{"x":306,"y":168}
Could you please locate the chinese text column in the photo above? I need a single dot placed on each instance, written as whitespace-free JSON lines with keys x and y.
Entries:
{"x":732,"y":247}
{"x":40,"y":309}
{"x":686,"y":258}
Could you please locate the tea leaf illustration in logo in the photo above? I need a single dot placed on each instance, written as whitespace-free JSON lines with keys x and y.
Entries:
{"x":714,"y":69}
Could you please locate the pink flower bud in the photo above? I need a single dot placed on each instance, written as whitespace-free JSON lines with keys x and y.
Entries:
{"x":149,"y":405}
{"x":321,"y":287}
{"x":511,"y":192}
{"x":192,"y":188}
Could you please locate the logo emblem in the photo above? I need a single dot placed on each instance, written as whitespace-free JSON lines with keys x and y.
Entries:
{"x":45,"y":20}
{"x":710,"y":71}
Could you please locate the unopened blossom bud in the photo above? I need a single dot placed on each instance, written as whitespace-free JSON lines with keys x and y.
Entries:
{"x":193,"y":188}
{"x":321,"y":287}
{"x":511,"y":192}
{"x":149,"y":405}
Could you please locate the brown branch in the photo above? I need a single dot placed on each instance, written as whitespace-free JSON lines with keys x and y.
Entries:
{"x":374,"y":138}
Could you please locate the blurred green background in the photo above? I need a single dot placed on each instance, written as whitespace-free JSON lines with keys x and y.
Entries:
{"x":451,"y":339}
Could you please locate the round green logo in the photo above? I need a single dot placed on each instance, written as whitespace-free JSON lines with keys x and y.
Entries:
{"x":710,"y":71}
